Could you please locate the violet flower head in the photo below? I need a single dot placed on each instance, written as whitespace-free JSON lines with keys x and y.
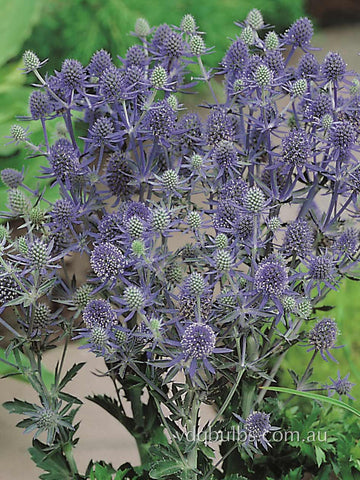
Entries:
{"x":11,"y":177}
{"x":341,"y":386}
{"x":72,"y":75}
{"x":296,"y":148}
{"x":323,"y":337}
{"x":333,"y":67}
{"x":271,"y":277}
{"x":63,"y":159}
{"x":198,"y":341}
{"x":236,"y":57}
{"x":112,"y":84}
{"x":298,"y":239}
{"x":100,"y":61}
{"x":160,"y":119}
{"x":40,"y":104}
{"x":300,"y":33}
{"x":257,"y":426}
{"x":119,"y":176}
{"x":99,"y":313}
{"x":107,"y":261}
{"x":308,"y":66}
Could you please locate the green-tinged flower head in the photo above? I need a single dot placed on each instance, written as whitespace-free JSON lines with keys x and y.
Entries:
{"x":194,"y":220}
{"x":174,"y":274}
{"x":135,"y":227}
{"x":274,"y":223}
{"x":223,"y":260}
{"x":355,"y":87}
{"x":99,"y":336}
{"x":196,"y":161}
{"x":82,"y":296}
{"x":31,"y":61}
{"x":188,"y":24}
{"x":37,"y":216}
{"x":289,"y":303}
{"x":304,"y":308}
{"x":196,"y":283}
{"x":22,"y":246}
{"x":327,"y":121}
{"x":299,"y":87}
{"x":247,"y":35}
{"x":48,"y":419}
{"x":18,"y":201}
{"x":18,"y":133}
{"x":170,"y":180}
{"x":4,"y":233}
{"x":173,"y":102}
{"x":197,"y":45}
{"x":160,"y":219}
{"x":263,"y":75}
{"x":142,"y":27}
{"x":238,"y":85}
{"x":221,"y":241}
{"x":255,"y":19}
{"x":271,"y":41}
{"x":254,"y":200}
{"x":138,"y":248}
{"x":158,"y":77}
{"x":120,"y":336}
{"x":42,"y":315}
{"x":134,"y":297}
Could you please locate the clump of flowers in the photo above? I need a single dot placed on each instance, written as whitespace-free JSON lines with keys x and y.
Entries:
{"x":205,"y":319}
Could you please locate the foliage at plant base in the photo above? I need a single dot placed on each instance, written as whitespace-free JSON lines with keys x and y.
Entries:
{"x":207,"y":244}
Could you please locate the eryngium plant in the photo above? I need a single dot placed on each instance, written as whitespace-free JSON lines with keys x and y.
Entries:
{"x":211,"y":237}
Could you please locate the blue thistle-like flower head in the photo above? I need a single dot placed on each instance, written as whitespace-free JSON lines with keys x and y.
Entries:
{"x":135,"y":55}
{"x":308,"y":66}
{"x":113,"y":85}
{"x":333,"y":67}
{"x":271,"y":277}
{"x":107,"y":261}
{"x":160,"y":119}
{"x":63,"y":213}
{"x":100,"y":61}
{"x":101,"y":130}
{"x":119,"y":175}
{"x":63,"y":158}
{"x":99,"y":313}
{"x":72,"y":75}
{"x":40,"y":104}
{"x":296,"y":148}
{"x":341,"y":386}
{"x":257,"y":426}
{"x":322,"y":267}
{"x":12,"y":178}
{"x":298,"y":238}
{"x":348,"y":242}
{"x":198,"y":341}
{"x":323,"y":337}
{"x":300,"y":33}
{"x":219,"y":126}
{"x":342,"y":136}
{"x":236,"y":57}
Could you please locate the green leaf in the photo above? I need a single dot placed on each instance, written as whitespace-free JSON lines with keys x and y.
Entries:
{"x":315,"y":396}
{"x":54,"y":462}
{"x":19,"y":406}
{"x":17,"y":20}
{"x":70,"y":374}
{"x":7,"y":370}
{"x":165,"y":468}
{"x":320,"y":455}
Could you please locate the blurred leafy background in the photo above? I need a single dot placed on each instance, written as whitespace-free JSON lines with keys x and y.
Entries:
{"x":58,"y":29}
